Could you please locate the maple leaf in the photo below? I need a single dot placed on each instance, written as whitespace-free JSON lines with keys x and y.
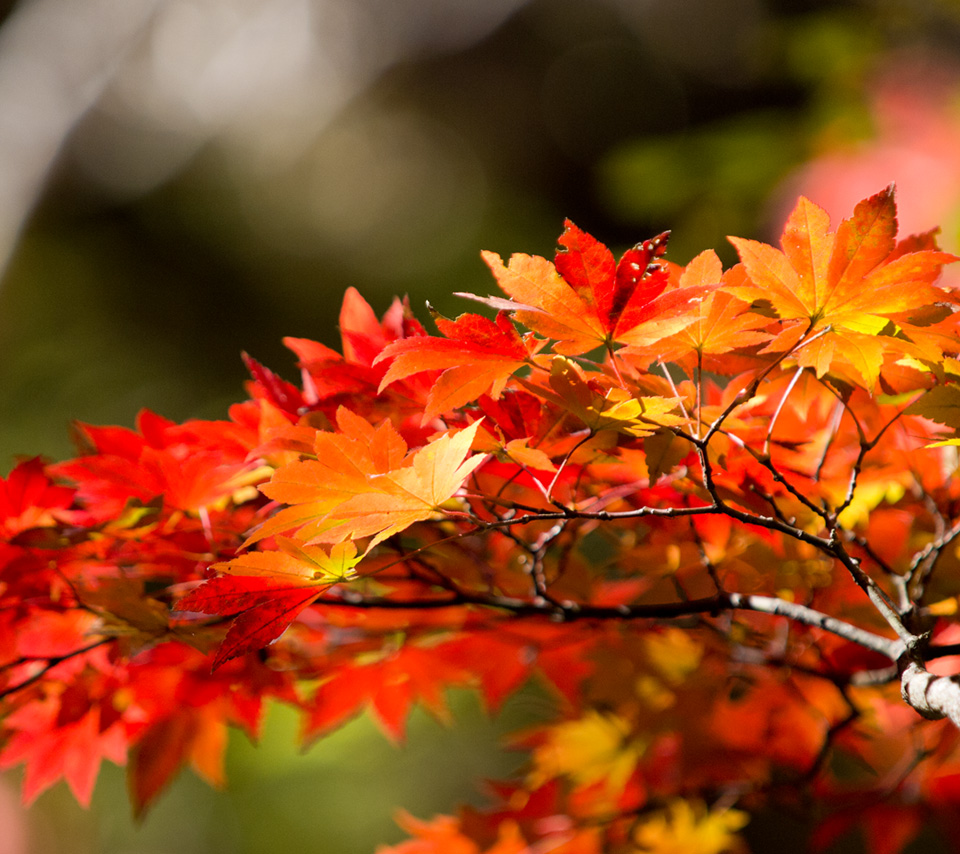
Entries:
{"x":443,"y":835}
{"x":409,"y":494}
{"x":198,"y":735}
{"x":477,"y":356}
{"x":332,"y":379}
{"x":364,"y":484}
{"x":596,"y":748}
{"x":55,"y":747}
{"x":137,"y":620}
{"x":940,"y":404}
{"x":194,"y":466}
{"x":565,"y":559}
{"x":268,"y":590}
{"x":65,"y":732}
{"x":845,"y":285}
{"x":343,"y":465}
{"x":585,"y":299}
{"x":390,"y":686}
{"x":720,"y":321}
{"x":266,"y":385}
{"x":29,"y":499}
{"x":689,"y":826}
{"x":524,"y":427}
{"x":610,"y":408}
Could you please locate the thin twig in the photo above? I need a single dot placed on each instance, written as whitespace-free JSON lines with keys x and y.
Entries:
{"x":776,"y":413}
{"x":50,"y":664}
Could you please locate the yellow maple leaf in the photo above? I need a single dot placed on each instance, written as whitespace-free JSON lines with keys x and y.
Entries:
{"x":596,"y":748}
{"x":687,"y":827}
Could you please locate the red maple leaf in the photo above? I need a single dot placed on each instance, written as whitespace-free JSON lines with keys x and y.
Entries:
{"x":268,"y":590}
{"x":585,"y":299}
{"x":477,"y":356}
{"x":30,"y":499}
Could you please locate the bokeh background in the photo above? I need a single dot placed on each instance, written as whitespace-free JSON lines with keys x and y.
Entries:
{"x":182,"y":180}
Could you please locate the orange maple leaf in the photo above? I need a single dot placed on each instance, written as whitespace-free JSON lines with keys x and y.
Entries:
{"x":721,"y":322}
{"x":839,"y":291}
{"x":363,"y":483}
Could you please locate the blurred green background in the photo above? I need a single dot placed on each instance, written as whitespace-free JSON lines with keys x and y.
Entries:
{"x":186,"y":179}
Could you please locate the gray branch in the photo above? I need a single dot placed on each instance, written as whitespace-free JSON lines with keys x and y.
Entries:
{"x":933,"y":697}
{"x":889,"y":647}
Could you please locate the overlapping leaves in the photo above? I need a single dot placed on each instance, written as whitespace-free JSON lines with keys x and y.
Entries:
{"x":512,"y":499}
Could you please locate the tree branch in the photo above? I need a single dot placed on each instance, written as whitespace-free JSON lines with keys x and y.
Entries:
{"x":933,"y":697}
{"x":50,"y":664}
{"x":889,"y":647}
{"x":569,"y":611}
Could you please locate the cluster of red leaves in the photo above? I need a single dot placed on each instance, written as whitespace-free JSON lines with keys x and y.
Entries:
{"x":622,"y":485}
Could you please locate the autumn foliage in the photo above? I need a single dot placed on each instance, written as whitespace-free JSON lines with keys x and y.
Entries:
{"x":714,"y":513}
